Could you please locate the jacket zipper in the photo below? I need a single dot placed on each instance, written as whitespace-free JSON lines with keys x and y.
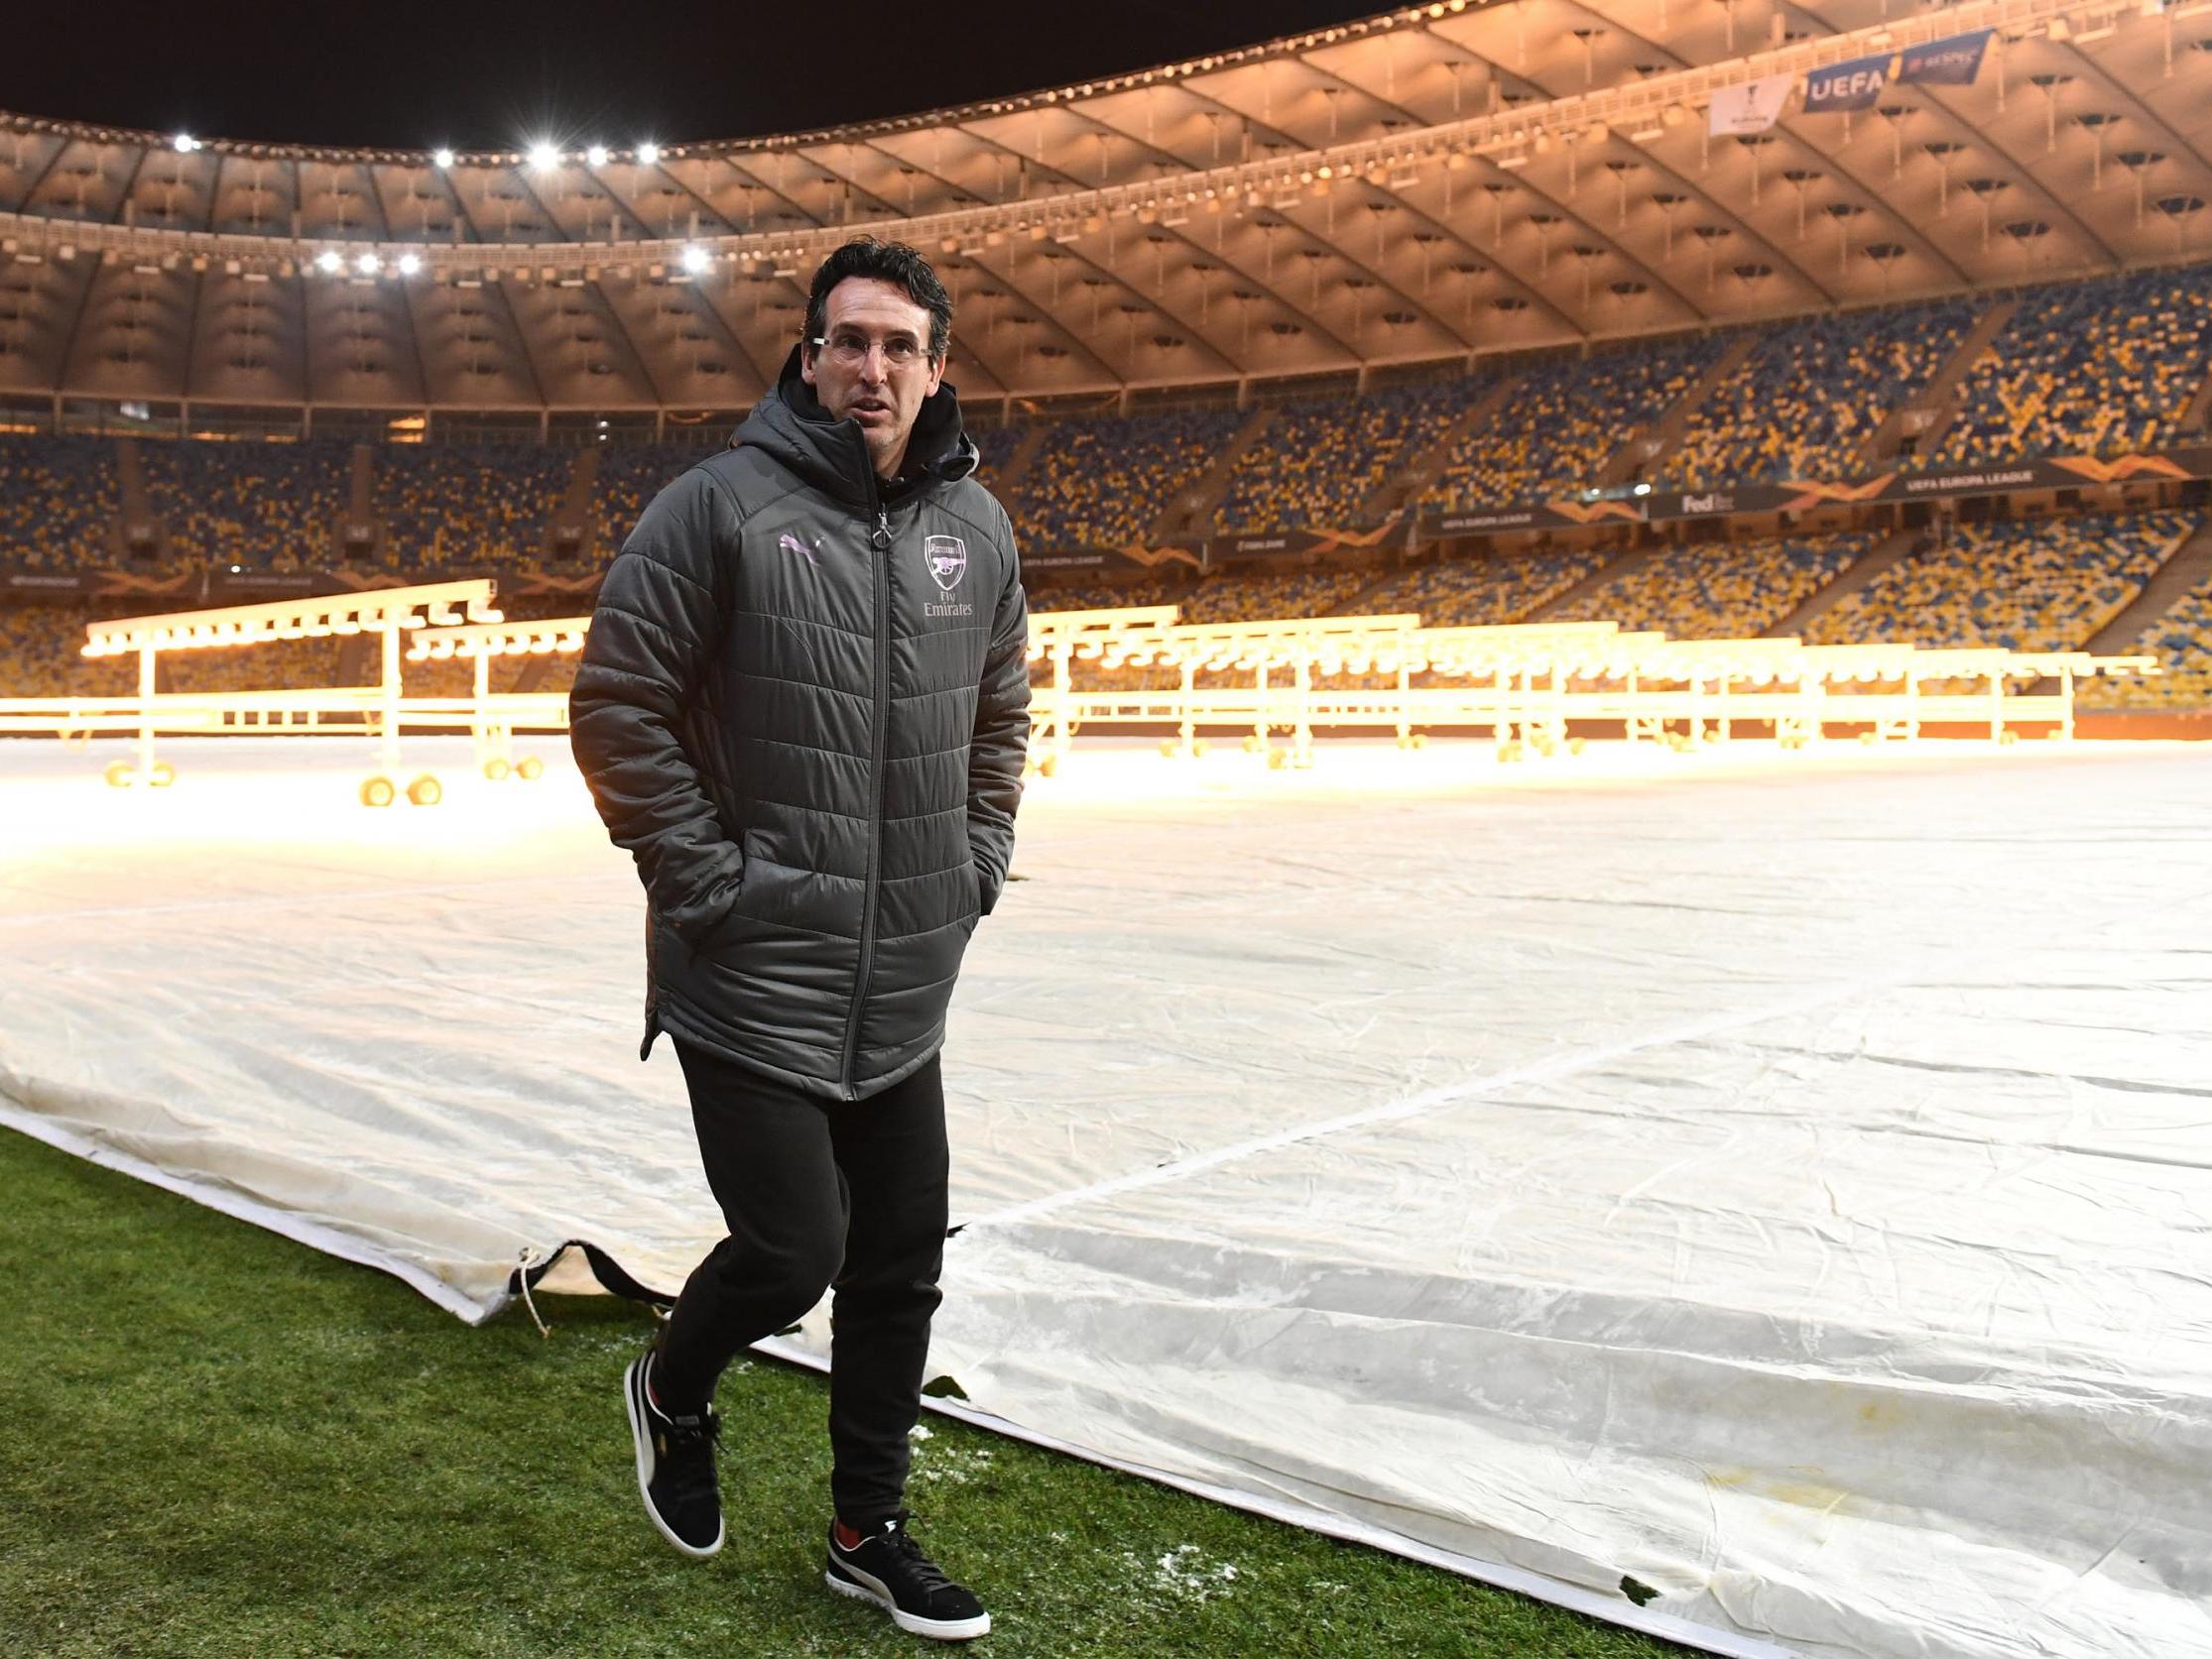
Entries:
{"x":880,"y":541}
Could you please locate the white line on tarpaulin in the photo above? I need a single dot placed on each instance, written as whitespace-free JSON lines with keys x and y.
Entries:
{"x":1412,"y":1106}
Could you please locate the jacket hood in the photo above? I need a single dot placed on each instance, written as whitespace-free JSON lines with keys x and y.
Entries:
{"x":791,"y":424}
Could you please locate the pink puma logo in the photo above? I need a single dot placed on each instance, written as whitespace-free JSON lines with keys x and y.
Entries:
{"x":791,"y":543}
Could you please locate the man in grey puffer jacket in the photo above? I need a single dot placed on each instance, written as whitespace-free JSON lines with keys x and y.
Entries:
{"x":802,"y":708}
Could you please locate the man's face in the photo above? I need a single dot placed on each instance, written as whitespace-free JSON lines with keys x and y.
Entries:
{"x":874,"y":365}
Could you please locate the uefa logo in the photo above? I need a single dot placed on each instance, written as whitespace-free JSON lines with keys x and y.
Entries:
{"x":947,"y":556}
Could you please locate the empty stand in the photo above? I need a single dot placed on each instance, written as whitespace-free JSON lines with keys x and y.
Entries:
{"x":1315,"y":463}
{"x":568,"y":536}
{"x":139,"y":532}
{"x":2187,"y":571}
{"x":2170,"y":621}
{"x":1870,"y":565}
{"x":1656,"y":447}
{"x":61,"y":501}
{"x":1569,"y":601}
{"x":1562,"y":422}
{"x":1193,"y":509}
{"x":1007,"y":476}
{"x":1106,"y":481}
{"x":1713,"y":590}
{"x":2090,"y":368}
{"x":1486,"y":589}
{"x":1927,"y":417}
{"x":1810,"y":393}
{"x":1405,"y":486}
{"x":2030,"y":585}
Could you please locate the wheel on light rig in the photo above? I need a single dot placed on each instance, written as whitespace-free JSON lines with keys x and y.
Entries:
{"x":426,"y":791}
{"x":162,"y":776}
{"x":379,"y":791}
{"x":118,"y":775}
{"x":530,"y":769}
{"x":496,"y":769}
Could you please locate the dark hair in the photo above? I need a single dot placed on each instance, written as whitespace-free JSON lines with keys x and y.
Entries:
{"x":891,"y":262}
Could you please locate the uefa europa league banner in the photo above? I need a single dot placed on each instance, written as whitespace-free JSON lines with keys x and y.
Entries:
{"x":1308,"y":541}
{"x":1751,"y":107}
{"x":2063,"y":472}
{"x":1951,"y":61}
{"x":1846,"y":87}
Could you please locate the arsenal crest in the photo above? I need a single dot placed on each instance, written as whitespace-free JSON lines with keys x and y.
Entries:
{"x":948,"y":559}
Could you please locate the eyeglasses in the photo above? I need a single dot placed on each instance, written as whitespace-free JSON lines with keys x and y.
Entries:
{"x":848,"y":349}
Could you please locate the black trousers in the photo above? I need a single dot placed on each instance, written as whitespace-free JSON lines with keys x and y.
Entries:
{"x":848,"y":1196}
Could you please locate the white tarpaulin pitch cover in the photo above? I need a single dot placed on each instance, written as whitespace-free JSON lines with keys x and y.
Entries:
{"x":1778,"y":1181}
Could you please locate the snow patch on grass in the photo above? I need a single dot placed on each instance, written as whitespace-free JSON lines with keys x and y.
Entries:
{"x":1187,"y":1575}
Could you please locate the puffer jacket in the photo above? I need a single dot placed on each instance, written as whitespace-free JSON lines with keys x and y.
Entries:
{"x":802,"y":708}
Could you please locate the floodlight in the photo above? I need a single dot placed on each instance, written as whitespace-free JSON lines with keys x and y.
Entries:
{"x":409,"y":265}
{"x":544,"y":157}
{"x":327,"y":260}
{"x":368,"y":265}
{"x":185,"y":144}
{"x":442,"y":157}
{"x":696,"y":259}
{"x":649,"y":154}
{"x":596,"y":154}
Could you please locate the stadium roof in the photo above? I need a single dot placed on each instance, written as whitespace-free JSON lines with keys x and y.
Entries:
{"x":1438,"y":182}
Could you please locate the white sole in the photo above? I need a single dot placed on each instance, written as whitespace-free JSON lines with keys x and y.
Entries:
{"x":631,"y":1384}
{"x":940,"y":1629}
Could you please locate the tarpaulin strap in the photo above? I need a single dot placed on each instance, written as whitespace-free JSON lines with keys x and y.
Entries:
{"x":612,"y":1277}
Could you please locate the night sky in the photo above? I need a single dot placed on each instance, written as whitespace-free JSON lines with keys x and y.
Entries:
{"x":484,"y":76}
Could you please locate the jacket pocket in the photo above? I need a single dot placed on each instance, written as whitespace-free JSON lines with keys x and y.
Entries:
{"x":975,"y":899}
{"x":770,"y":892}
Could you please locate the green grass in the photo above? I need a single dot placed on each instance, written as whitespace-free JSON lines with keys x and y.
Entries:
{"x":217,"y":1442}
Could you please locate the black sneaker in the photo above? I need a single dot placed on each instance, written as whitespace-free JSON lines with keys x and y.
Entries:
{"x":888,"y":1568}
{"x":676,"y":1467}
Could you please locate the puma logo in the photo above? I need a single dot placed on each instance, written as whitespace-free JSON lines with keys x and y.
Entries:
{"x":791,"y":544}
